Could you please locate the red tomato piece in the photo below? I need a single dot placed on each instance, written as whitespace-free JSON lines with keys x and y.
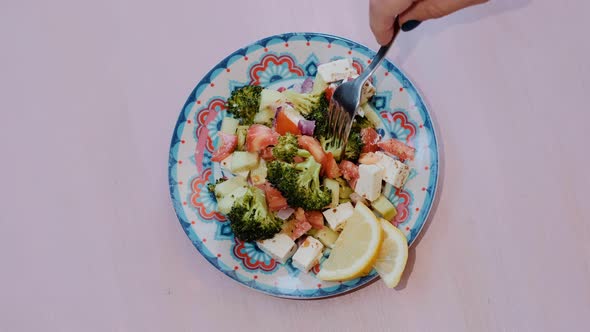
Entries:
{"x":330,"y":167}
{"x":398,"y":149}
{"x":302,"y":226}
{"x":274,"y":198}
{"x":369,"y":158}
{"x":313,"y":146}
{"x":266,"y":154}
{"x":259,"y":137}
{"x":228,"y":145}
{"x":370,"y":138}
{"x":329,"y":92}
{"x":350,"y":171}
{"x":285,"y":125}
{"x":315,"y":218}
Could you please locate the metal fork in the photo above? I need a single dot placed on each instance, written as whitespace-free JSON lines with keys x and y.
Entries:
{"x":346,"y":98}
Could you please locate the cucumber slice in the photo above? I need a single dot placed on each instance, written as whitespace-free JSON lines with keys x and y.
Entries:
{"x":242,"y":132}
{"x":225,"y":204}
{"x":384,"y":207}
{"x":243,"y":161}
{"x":264,"y":117}
{"x":258,"y":175}
{"x":227,"y":187}
{"x":326,"y":236}
{"x":334,"y":186}
{"x":319,"y":85}
{"x":371,"y":114}
{"x":229,"y":125}
{"x":269,"y":99}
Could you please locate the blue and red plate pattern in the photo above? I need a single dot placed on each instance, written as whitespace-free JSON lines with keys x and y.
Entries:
{"x":282,"y":61}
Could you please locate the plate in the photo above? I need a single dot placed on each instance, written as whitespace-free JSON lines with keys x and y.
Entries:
{"x":282,"y":61}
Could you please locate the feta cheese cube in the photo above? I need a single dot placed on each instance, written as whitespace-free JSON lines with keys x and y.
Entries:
{"x":394,"y":171}
{"x":337,"y":216}
{"x":370,"y":181}
{"x":281,"y":247}
{"x":308,"y":254}
{"x":336,"y":70}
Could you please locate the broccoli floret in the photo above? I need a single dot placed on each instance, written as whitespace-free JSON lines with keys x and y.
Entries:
{"x":300,"y":184}
{"x":244,"y":103}
{"x":287,"y":148}
{"x":352,"y":150}
{"x":250,"y":219}
{"x":312,"y":107}
{"x":329,"y":145}
{"x":354,"y":146}
{"x":361,"y":122}
{"x":211,"y":186}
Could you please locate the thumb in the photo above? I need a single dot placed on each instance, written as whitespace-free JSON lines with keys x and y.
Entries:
{"x":427,"y":9}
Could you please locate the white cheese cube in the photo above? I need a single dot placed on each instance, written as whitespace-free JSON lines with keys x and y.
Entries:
{"x":394,"y":171}
{"x":336,"y":70}
{"x":308,"y":254}
{"x":369,"y":182}
{"x":337,"y":216}
{"x":281,"y":247}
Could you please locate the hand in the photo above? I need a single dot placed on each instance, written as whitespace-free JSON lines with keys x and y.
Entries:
{"x":412,"y":12}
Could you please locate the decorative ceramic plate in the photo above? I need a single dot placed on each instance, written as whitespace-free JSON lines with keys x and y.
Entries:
{"x":282,"y":61}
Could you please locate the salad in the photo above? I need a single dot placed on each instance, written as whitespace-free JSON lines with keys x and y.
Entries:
{"x":294,"y":192}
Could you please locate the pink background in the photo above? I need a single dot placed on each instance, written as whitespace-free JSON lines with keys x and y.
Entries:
{"x":90,"y":92}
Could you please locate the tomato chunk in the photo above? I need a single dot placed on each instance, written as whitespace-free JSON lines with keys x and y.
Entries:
{"x":330,"y":167}
{"x":370,"y":138}
{"x":274,"y":198}
{"x":266,"y":154}
{"x":301,"y":224}
{"x":398,"y":149}
{"x":315,"y":218}
{"x":228,"y":145}
{"x":313,"y":146}
{"x":259,"y":137}
{"x":285,"y":125}
{"x":350,"y":171}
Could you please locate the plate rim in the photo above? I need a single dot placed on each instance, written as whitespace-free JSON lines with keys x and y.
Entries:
{"x":207,"y":78}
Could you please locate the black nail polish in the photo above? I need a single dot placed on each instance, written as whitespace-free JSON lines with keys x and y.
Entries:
{"x":410,"y":25}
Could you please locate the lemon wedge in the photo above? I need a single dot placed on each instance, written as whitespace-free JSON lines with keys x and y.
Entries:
{"x":356,"y":249}
{"x":393,"y":254}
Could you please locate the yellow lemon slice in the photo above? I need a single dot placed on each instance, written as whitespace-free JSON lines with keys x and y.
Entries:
{"x":393,"y":254}
{"x":356,"y":249}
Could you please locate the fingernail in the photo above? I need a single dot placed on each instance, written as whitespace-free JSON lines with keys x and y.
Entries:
{"x":410,"y":25}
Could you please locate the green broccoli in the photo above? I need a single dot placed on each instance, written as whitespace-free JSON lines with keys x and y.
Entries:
{"x":312,"y":107}
{"x":300,"y":184}
{"x":329,"y":145}
{"x":352,"y":150}
{"x":354,"y":146}
{"x":250,"y":219}
{"x":244,"y":103}
{"x":361,"y":122}
{"x":287,"y":148}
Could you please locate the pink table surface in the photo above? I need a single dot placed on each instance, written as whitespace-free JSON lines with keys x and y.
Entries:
{"x":90,"y":92}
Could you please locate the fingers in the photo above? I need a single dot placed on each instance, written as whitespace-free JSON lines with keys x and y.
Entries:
{"x":428,"y":9}
{"x":381,"y":16}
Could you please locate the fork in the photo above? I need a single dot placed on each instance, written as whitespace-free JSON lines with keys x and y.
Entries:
{"x":346,"y":98}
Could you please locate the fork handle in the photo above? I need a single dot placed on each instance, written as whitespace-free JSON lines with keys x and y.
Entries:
{"x":380,"y":54}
